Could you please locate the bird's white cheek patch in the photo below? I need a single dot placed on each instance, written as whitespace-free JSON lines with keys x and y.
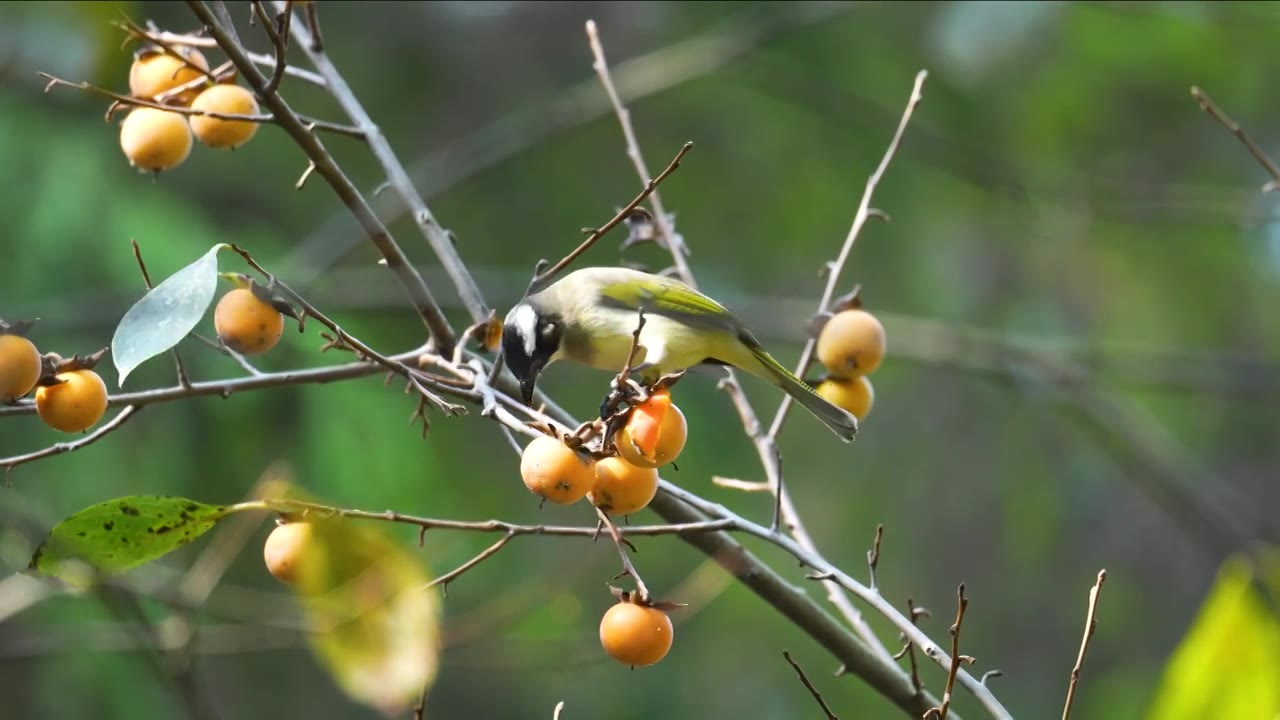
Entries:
{"x":525,"y":320}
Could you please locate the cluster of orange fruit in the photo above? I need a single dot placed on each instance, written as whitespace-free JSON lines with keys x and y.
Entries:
{"x":72,"y":400}
{"x":632,"y":631}
{"x":158,"y":140}
{"x":851,"y":346}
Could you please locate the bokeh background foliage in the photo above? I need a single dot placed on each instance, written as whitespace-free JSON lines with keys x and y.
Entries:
{"x":1058,"y":187}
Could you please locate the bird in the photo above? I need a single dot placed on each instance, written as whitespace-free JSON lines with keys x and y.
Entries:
{"x":590,"y":317}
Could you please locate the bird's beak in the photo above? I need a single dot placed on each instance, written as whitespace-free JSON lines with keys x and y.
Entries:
{"x":526,"y":389}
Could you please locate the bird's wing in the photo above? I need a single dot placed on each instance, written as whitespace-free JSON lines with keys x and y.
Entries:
{"x":669,"y":298}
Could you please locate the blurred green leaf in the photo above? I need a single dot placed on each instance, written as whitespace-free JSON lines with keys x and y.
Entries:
{"x":166,"y":314}
{"x":1228,"y":665}
{"x":374,"y":625}
{"x":121,"y":534}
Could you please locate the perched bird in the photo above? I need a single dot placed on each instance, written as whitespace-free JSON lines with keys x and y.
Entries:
{"x":590,"y":316}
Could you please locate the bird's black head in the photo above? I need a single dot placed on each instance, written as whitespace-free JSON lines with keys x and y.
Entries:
{"x":530,"y":339}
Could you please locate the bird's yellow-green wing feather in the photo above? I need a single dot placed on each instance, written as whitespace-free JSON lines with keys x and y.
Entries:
{"x":672,"y":298}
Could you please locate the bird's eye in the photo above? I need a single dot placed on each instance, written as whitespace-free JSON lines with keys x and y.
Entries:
{"x":549,"y":328}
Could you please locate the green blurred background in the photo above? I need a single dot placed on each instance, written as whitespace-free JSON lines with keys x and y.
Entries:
{"x":1058,"y":191}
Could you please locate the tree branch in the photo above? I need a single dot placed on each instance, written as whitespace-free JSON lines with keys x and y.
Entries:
{"x":439,"y":240}
{"x":809,"y":686}
{"x":327,"y":167}
{"x":1090,"y":625}
{"x":1234,"y":127}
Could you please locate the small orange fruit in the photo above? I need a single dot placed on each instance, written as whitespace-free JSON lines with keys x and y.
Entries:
{"x":230,"y":100}
{"x":655,"y":433}
{"x":852,"y":343}
{"x":20,"y":367}
{"x":552,"y":471}
{"x":155,"y":140}
{"x":246,"y":324}
{"x":287,"y":550}
{"x":636,"y":635}
{"x":622,"y":488}
{"x":75,"y":404}
{"x":154,"y":72}
{"x":855,"y":395}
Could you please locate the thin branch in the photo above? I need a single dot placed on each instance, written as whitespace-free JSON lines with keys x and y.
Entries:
{"x":873,"y":556}
{"x":227,"y":388}
{"x":956,"y":658}
{"x":543,"y":277}
{"x":441,"y":243}
{"x":279,"y":39}
{"x":673,"y":242}
{"x":137,"y":31}
{"x":1090,"y":625}
{"x":489,"y":526}
{"x":1257,"y":152}
{"x":444,"y":580}
{"x":740,"y":485}
{"x":121,"y":418}
{"x":808,"y":685}
{"x":181,"y":110}
{"x":860,"y":217}
{"x":347,"y":340}
{"x":628,"y":568}
{"x":423,"y":301}
{"x":259,"y":58}
{"x":183,"y":379}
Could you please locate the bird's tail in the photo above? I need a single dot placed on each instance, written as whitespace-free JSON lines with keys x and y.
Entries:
{"x":840,"y":421}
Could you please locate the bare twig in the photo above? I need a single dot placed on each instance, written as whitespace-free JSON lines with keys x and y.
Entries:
{"x":308,"y":37}
{"x":956,"y":658}
{"x":915,"y":613}
{"x":423,"y":301}
{"x":169,"y":48}
{"x":279,"y":39}
{"x":400,"y":368}
{"x":543,"y":275}
{"x":139,"y":102}
{"x":741,"y":485}
{"x":1257,"y":152}
{"x":628,"y":568}
{"x":1090,"y":624}
{"x":669,"y":239}
{"x":227,"y":388}
{"x":860,"y":217}
{"x":809,"y":685}
{"x":444,"y":580}
{"x":183,"y":380}
{"x":873,"y":556}
{"x":114,"y":424}
{"x":259,"y":58}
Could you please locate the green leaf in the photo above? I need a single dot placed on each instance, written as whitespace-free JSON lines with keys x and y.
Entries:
{"x":166,"y":314}
{"x":121,"y":534}
{"x":372,"y":622}
{"x":1228,"y":664}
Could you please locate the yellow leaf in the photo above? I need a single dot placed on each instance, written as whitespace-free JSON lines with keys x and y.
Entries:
{"x":371,"y":621}
{"x":1228,"y":664}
